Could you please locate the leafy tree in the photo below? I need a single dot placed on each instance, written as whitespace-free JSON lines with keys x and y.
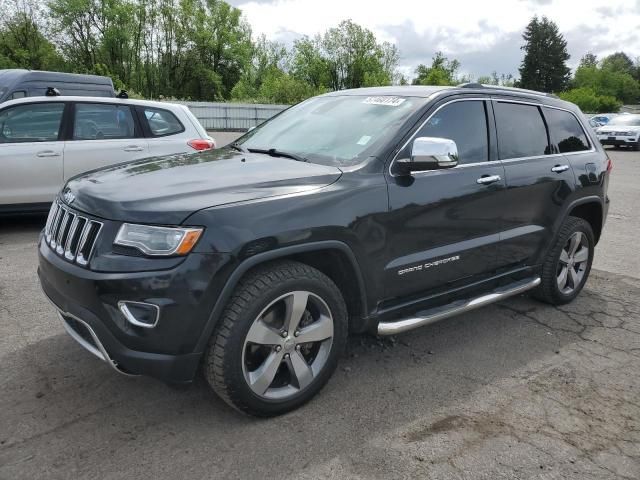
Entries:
{"x":589,"y":101}
{"x":354,"y":58}
{"x":589,"y":60}
{"x":619,"y":62}
{"x":23,"y":43}
{"x":607,"y":82}
{"x":441,"y":72}
{"x":544,"y":66}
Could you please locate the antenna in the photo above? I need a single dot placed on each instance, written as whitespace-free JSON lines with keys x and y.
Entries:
{"x":122,"y":94}
{"x":52,"y":92}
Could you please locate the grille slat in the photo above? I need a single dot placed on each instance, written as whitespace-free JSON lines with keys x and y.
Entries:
{"x":71,"y":235}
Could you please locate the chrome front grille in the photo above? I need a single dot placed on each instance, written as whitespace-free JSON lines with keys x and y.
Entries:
{"x":71,"y":235}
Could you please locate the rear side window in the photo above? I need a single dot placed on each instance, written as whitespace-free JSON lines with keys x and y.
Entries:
{"x":101,"y":121}
{"x":38,"y":122}
{"x":466,"y":124}
{"x":521,"y":131}
{"x":566,"y":131}
{"x":162,"y":122}
{"x":18,"y":94}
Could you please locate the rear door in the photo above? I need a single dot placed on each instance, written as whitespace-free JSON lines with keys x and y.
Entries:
{"x":443,"y":225}
{"x":102,"y":134}
{"x":166,"y":133}
{"x":539,"y":181}
{"x":31,"y":152}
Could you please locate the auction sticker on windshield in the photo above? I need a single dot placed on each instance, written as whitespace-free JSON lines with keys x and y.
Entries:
{"x":387,"y":101}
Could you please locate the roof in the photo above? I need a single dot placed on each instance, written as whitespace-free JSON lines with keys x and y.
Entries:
{"x":396,"y":90}
{"x":12,"y":75}
{"x":73,"y":98}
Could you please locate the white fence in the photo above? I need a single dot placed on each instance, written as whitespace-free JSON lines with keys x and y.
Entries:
{"x":231,"y":116}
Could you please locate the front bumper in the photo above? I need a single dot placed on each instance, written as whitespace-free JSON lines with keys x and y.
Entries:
{"x":620,"y":141}
{"x":86,"y":302}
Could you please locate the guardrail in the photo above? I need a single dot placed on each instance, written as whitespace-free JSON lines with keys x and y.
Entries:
{"x":231,"y":116}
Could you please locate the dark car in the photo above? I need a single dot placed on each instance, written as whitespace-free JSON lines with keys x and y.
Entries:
{"x":16,"y":83}
{"x":372,"y":210}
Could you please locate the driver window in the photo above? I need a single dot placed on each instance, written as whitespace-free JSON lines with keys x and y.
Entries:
{"x":37,"y":122}
{"x":465,"y":123}
{"x":101,"y":121}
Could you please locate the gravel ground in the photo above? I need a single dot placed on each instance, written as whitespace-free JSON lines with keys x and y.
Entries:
{"x":516,"y":390}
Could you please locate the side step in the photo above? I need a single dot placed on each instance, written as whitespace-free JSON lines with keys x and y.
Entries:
{"x":440,"y":313}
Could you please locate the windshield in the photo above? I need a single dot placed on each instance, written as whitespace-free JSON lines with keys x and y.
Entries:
{"x":334,"y":130}
{"x":627,"y":120}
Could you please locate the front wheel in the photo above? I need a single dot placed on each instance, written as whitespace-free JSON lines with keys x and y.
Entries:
{"x":278,"y":340}
{"x":568,"y":263}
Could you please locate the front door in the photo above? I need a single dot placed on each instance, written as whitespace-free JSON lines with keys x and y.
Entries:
{"x":444,"y":224}
{"x":31,"y":153}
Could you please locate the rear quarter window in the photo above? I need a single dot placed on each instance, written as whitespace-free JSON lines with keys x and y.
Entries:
{"x":566,"y":131}
{"x":162,"y":122}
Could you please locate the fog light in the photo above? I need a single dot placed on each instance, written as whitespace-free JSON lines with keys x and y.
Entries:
{"x":140,"y":314}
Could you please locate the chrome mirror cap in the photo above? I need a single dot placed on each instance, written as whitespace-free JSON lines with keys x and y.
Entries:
{"x":434,"y":151}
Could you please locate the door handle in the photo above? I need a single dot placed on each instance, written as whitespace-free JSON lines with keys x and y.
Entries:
{"x":133,"y":148}
{"x":560,"y":168}
{"x":48,"y":153}
{"x":488,"y":179}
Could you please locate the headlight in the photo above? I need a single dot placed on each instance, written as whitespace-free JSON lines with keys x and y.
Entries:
{"x":159,"y":241}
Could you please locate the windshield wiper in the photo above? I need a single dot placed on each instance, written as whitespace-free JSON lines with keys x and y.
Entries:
{"x":278,"y":153}
{"x":237,"y":146}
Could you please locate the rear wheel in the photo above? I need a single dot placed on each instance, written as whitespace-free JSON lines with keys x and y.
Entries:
{"x":279,"y":339}
{"x":568,"y":263}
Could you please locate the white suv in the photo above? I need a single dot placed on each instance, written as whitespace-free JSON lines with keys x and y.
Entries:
{"x":44,"y":141}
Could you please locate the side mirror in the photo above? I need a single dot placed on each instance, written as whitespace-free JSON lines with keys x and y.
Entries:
{"x":429,"y":153}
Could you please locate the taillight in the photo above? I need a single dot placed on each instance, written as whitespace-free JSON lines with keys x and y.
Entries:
{"x":609,"y":164}
{"x":201,"y":144}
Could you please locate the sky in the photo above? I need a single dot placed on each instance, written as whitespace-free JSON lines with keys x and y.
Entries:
{"x":484,"y":35}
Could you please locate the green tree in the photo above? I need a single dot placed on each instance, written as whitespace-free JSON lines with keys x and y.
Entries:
{"x":607,"y":82}
{"x":354,"y":58}
{"x":589,"y":60}
{"x":589,"y":101}
{"x":23,"y":43}
{"x":619,"y":62}
{"x":441,"y":72}
{"x":544,"y":66}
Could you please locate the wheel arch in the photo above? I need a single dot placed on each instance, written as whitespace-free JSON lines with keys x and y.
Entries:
{"x":343,"y":262}
{"x":589,"y":209}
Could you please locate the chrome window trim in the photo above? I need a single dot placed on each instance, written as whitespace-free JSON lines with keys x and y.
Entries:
{"x":455,"y":100}
{"x":495,"y":162}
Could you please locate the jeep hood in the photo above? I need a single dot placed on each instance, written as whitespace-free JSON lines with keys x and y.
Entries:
{"x":166,"y":190}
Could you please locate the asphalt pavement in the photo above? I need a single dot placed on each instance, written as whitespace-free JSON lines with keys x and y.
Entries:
{"x":517,"y":390}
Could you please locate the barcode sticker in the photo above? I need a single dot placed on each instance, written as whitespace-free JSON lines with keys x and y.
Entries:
{"x":387,"y":101}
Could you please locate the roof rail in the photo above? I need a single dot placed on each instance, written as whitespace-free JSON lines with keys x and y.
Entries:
{"x":513,"y":89}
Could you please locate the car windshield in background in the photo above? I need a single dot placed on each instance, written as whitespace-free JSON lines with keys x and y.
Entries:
{"x":626,"y":120}
{"x":334,"y":130}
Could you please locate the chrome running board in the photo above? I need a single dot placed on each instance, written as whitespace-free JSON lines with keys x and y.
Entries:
{"x":440,"y":313}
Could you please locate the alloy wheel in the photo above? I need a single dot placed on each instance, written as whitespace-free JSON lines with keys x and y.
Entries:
{"x":572,"y":265}
{"x":287,"y":345}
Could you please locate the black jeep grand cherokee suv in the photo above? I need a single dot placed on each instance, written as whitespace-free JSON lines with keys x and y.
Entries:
{"x":380,"y":210}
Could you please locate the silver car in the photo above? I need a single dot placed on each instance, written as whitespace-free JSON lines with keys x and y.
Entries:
{"x":44,"y":141}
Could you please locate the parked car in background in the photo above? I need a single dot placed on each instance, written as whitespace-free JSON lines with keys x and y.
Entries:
{"x":44,"y":141}
{"x":15,"y":83}
{"x":594,"y":124}
{"x":603,"y":118}
{"x":621,"y":131}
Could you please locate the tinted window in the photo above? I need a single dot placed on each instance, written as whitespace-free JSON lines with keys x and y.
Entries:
{"x":162,"y":122}
{"x":38,"y":122}
{"x":566,"y":131}
{"x":98,"y":121}
{"x":466,"y":124}
{"x":18,"y":94}
{"x":521,"y":131}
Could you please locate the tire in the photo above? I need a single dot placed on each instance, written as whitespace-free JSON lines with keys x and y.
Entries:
{"x":263,"y":304}
{"x":560,"y":258}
